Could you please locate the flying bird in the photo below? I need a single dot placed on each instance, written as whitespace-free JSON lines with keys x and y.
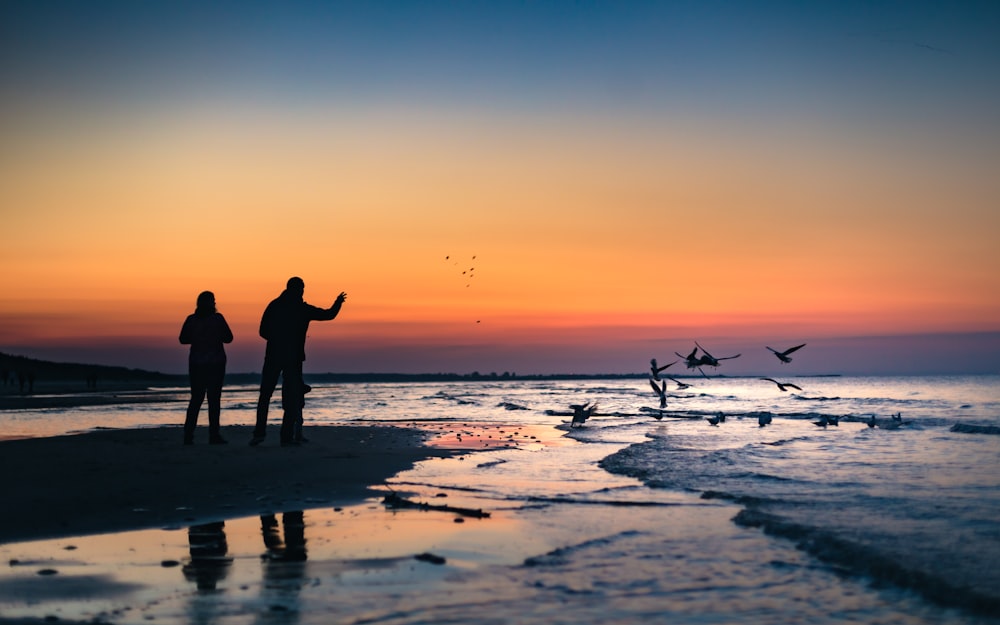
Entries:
{"x":783,"y":386}
{"x":710,"y":360}
{"x":661,"y":390}
{"x":680,"y":385}
{"x":582,"y":412}
{"x":657,"y":369}
{"x":783,"y":356}
{"x":693,"y":361}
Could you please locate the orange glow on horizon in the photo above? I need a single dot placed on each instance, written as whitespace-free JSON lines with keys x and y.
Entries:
{"x":625,"y":231}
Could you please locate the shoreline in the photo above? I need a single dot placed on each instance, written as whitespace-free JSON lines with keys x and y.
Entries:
{"x":117,"y":480}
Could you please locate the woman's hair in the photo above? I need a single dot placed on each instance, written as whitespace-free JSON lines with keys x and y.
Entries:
{"x":206,"y":303}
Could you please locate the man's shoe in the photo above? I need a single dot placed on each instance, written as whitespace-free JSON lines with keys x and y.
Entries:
{"x":256,"y":440}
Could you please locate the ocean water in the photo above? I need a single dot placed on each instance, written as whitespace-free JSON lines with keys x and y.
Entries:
{"x":642,"y":515}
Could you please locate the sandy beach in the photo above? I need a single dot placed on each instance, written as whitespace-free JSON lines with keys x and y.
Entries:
{"x":118,"y":480}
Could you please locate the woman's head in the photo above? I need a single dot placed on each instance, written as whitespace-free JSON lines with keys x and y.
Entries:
{"x":206,"y":303}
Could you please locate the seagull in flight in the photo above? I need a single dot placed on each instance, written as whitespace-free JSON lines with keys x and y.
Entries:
{"x":582,"y":412}
{"x":655,"y":369}
{"x":709,"y":359}
{"x":680,"y":385}
{"x":693,"y":361}
{"x":783,"y":356}
{"x":783,"y":386}
{"x":661,"y":390}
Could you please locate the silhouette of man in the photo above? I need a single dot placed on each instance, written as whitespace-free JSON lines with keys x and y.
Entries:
{"x":284,"y":325}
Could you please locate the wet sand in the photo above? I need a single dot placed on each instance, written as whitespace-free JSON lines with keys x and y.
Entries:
{"x":117,"y":480}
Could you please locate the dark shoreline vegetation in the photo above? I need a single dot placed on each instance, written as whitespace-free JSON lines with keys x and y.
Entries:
{"x":48,"y":372}
{"x":102,"y":377}
{"x":45,"y":370}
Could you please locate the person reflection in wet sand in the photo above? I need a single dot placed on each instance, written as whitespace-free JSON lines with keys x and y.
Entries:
{"x":293,"y":527}
{"x":284,"y":325}
{"x":285,"y":559}
{"x":209,"y":560}
{"x":205,"y":331}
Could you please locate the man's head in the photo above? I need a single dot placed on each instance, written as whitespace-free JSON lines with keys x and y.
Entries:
{"x":295,"y":285}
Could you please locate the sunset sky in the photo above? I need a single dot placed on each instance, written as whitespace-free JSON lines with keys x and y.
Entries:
{"x":624,"y":177}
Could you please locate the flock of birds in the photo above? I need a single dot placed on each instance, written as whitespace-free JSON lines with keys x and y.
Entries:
{"x":692,"y":360}
{"x":467,"y":274}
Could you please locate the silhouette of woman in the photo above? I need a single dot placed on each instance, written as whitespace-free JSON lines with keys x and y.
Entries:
{"x":205,"y":331}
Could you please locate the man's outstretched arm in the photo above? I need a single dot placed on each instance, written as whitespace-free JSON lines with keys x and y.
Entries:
{"x":326,"y":314}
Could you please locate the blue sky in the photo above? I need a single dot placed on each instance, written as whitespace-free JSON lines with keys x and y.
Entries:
{"x":780,"y":54}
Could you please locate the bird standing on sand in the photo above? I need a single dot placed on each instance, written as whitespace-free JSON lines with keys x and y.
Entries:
{"x":825,"y":420}
{"x":582,"y":412}
{"x":782,"y":386}
{"x":783,"y":356}
{"x":894,"y":423}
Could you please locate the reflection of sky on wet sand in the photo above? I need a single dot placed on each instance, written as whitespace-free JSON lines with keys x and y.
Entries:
{"x":185,"y":573}
{"x":677,"y":563}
